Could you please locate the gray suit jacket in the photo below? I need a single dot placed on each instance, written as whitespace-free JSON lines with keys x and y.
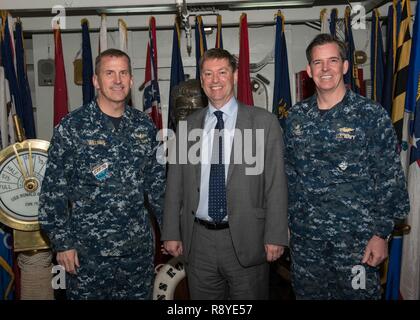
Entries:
{"x":256,"y":204}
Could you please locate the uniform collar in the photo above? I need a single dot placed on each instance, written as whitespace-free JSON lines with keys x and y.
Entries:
{"x":313,"y":104}
{"x":98,"y":114}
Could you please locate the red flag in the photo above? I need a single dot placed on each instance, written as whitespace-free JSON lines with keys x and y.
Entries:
{"x":151,"y":95}
{"x":244,"y":80}
{"x":60,"y":85}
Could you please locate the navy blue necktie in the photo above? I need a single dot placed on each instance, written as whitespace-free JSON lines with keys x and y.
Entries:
{"x":217,"y":187}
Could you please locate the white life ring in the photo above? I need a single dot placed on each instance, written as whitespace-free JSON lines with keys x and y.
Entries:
{"x":167,"y":278}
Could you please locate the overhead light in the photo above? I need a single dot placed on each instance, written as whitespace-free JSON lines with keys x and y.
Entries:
{"x":269,"y":4}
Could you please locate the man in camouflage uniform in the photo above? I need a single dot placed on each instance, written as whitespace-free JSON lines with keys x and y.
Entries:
{"x":346,"y":185}
{"x":101,"y":163}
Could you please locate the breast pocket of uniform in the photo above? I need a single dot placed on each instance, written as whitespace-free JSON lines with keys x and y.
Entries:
{"x":348,"y":151}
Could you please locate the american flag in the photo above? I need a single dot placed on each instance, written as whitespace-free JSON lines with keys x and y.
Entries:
{"x":151,"y":96}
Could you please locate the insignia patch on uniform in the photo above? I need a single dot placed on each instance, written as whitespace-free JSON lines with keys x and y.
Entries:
{"x":346,"y":130}
{"x":283,"y":110}
{"x":345,"y":133}
{"x":142,"y":137}
{"x":101,"y":171}
{"x":343,"y":165}
{"x":95,"y":142}
{"x":297,"y":130}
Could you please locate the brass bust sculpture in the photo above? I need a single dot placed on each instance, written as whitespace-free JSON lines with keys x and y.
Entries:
{"x":186,"y":98}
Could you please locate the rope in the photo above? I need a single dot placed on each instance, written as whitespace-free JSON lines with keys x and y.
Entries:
{"x":36,"y":276}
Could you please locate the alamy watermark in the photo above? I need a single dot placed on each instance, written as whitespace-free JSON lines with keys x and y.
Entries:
{"x":358,"y":13}
{"x":196,"y":147}
{"x":358,"y":281}
{"x":58,"y":281}
{"x":60,"y":18}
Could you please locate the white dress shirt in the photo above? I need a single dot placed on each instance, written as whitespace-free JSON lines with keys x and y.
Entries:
{"x":230,"y":113}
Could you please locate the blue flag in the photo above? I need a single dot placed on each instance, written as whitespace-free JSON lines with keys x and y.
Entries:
{"x":412,"y":98}
{"x":409,"y":284}
{"x":398,"y":9}
{"x":281,"y":98}
{"x":6,"y":265}
{"x":351,"y":77}
{"x":402,"y":280}
{"x":200,"y":43}
{"x":376,"y":58}
{"x":177,"y":73}
{"x":333,"y":22}
{"x":27,"y":114}
{"x":390,"y":62}
{"x":394,"y":269}
{"x":88,"y":90}
{"x":9,"y":69}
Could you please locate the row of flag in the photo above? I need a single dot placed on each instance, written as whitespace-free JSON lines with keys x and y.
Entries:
{"x":151,"y":99}
{"x":12,"y":59}
{"x":410,"y":273}
{"x":395,"y":84}
{"x":15,"y":98}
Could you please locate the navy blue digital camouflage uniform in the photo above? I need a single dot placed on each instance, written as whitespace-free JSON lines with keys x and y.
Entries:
{"x":92,"y":200}
{"x":346,"y":185}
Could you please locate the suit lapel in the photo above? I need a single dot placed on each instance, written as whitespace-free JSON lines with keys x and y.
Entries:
{"x":243,"y":121}
{"x":198,"y":122}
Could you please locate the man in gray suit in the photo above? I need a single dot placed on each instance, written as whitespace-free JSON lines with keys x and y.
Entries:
{"x":228,"y":218}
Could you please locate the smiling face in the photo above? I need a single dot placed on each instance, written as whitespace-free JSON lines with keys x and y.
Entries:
{"x":327,"y":68}
{"x":113,"y":80}
{"x":218,"y":80}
